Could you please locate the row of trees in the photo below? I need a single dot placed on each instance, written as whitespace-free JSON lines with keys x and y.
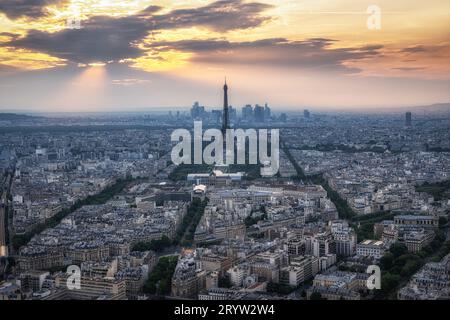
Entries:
{"x":181,"y":171}
{"x":157,"y":245}
{"x":159,"y":281}
{"x":300,"y":174}
{"x":344,"y":148}
{"x":186,"y":230}
{"x":364,"y":224}
{"x":344,"y":211}
{"x":439,"y":190}
{"x":279,"y":288}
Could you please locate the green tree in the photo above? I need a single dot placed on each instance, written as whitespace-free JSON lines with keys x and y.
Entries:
{"x":279,"y":288}
{"x":387,"y":260}
{"x":389,"y":282}
{"x":397,"y":249}
{"x":160,"y":278}
{"x":155,"y":245}
{"x":224,"y":282}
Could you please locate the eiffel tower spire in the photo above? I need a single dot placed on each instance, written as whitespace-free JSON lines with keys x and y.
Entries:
{"x":225,"y":118}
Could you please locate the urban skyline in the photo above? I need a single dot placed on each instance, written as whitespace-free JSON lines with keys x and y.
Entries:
{"x":97,"y":208}
{"x":237,"y":157}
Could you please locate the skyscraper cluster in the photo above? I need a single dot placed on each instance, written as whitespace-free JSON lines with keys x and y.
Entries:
{"x":228,"y":114}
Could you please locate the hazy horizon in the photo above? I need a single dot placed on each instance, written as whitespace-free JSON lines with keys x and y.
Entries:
{"x":418,"y":110}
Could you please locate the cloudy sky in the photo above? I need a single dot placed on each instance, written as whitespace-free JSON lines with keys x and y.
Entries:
{"x":142,"y":54}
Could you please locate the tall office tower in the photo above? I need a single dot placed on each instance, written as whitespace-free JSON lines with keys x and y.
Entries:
{"x":225,"y":119}
{"x":408,"y":119}
{"x":247,"y":113}
{"x":3,"y":247}
{"x":216,"y":115}
{"x":232,"y":114}
{"x":197,"y":111}
{"x":259,"y":113}
{"x":306,"y":113}
{"x":266,"y":112}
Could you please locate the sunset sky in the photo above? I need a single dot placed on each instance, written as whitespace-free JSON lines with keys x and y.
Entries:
{"x":143,"y":54}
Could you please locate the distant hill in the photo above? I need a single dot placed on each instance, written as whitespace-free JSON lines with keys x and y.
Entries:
{"x":442,"y":107}
{"x":16,"y":116}
{"x":431,"y":107}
